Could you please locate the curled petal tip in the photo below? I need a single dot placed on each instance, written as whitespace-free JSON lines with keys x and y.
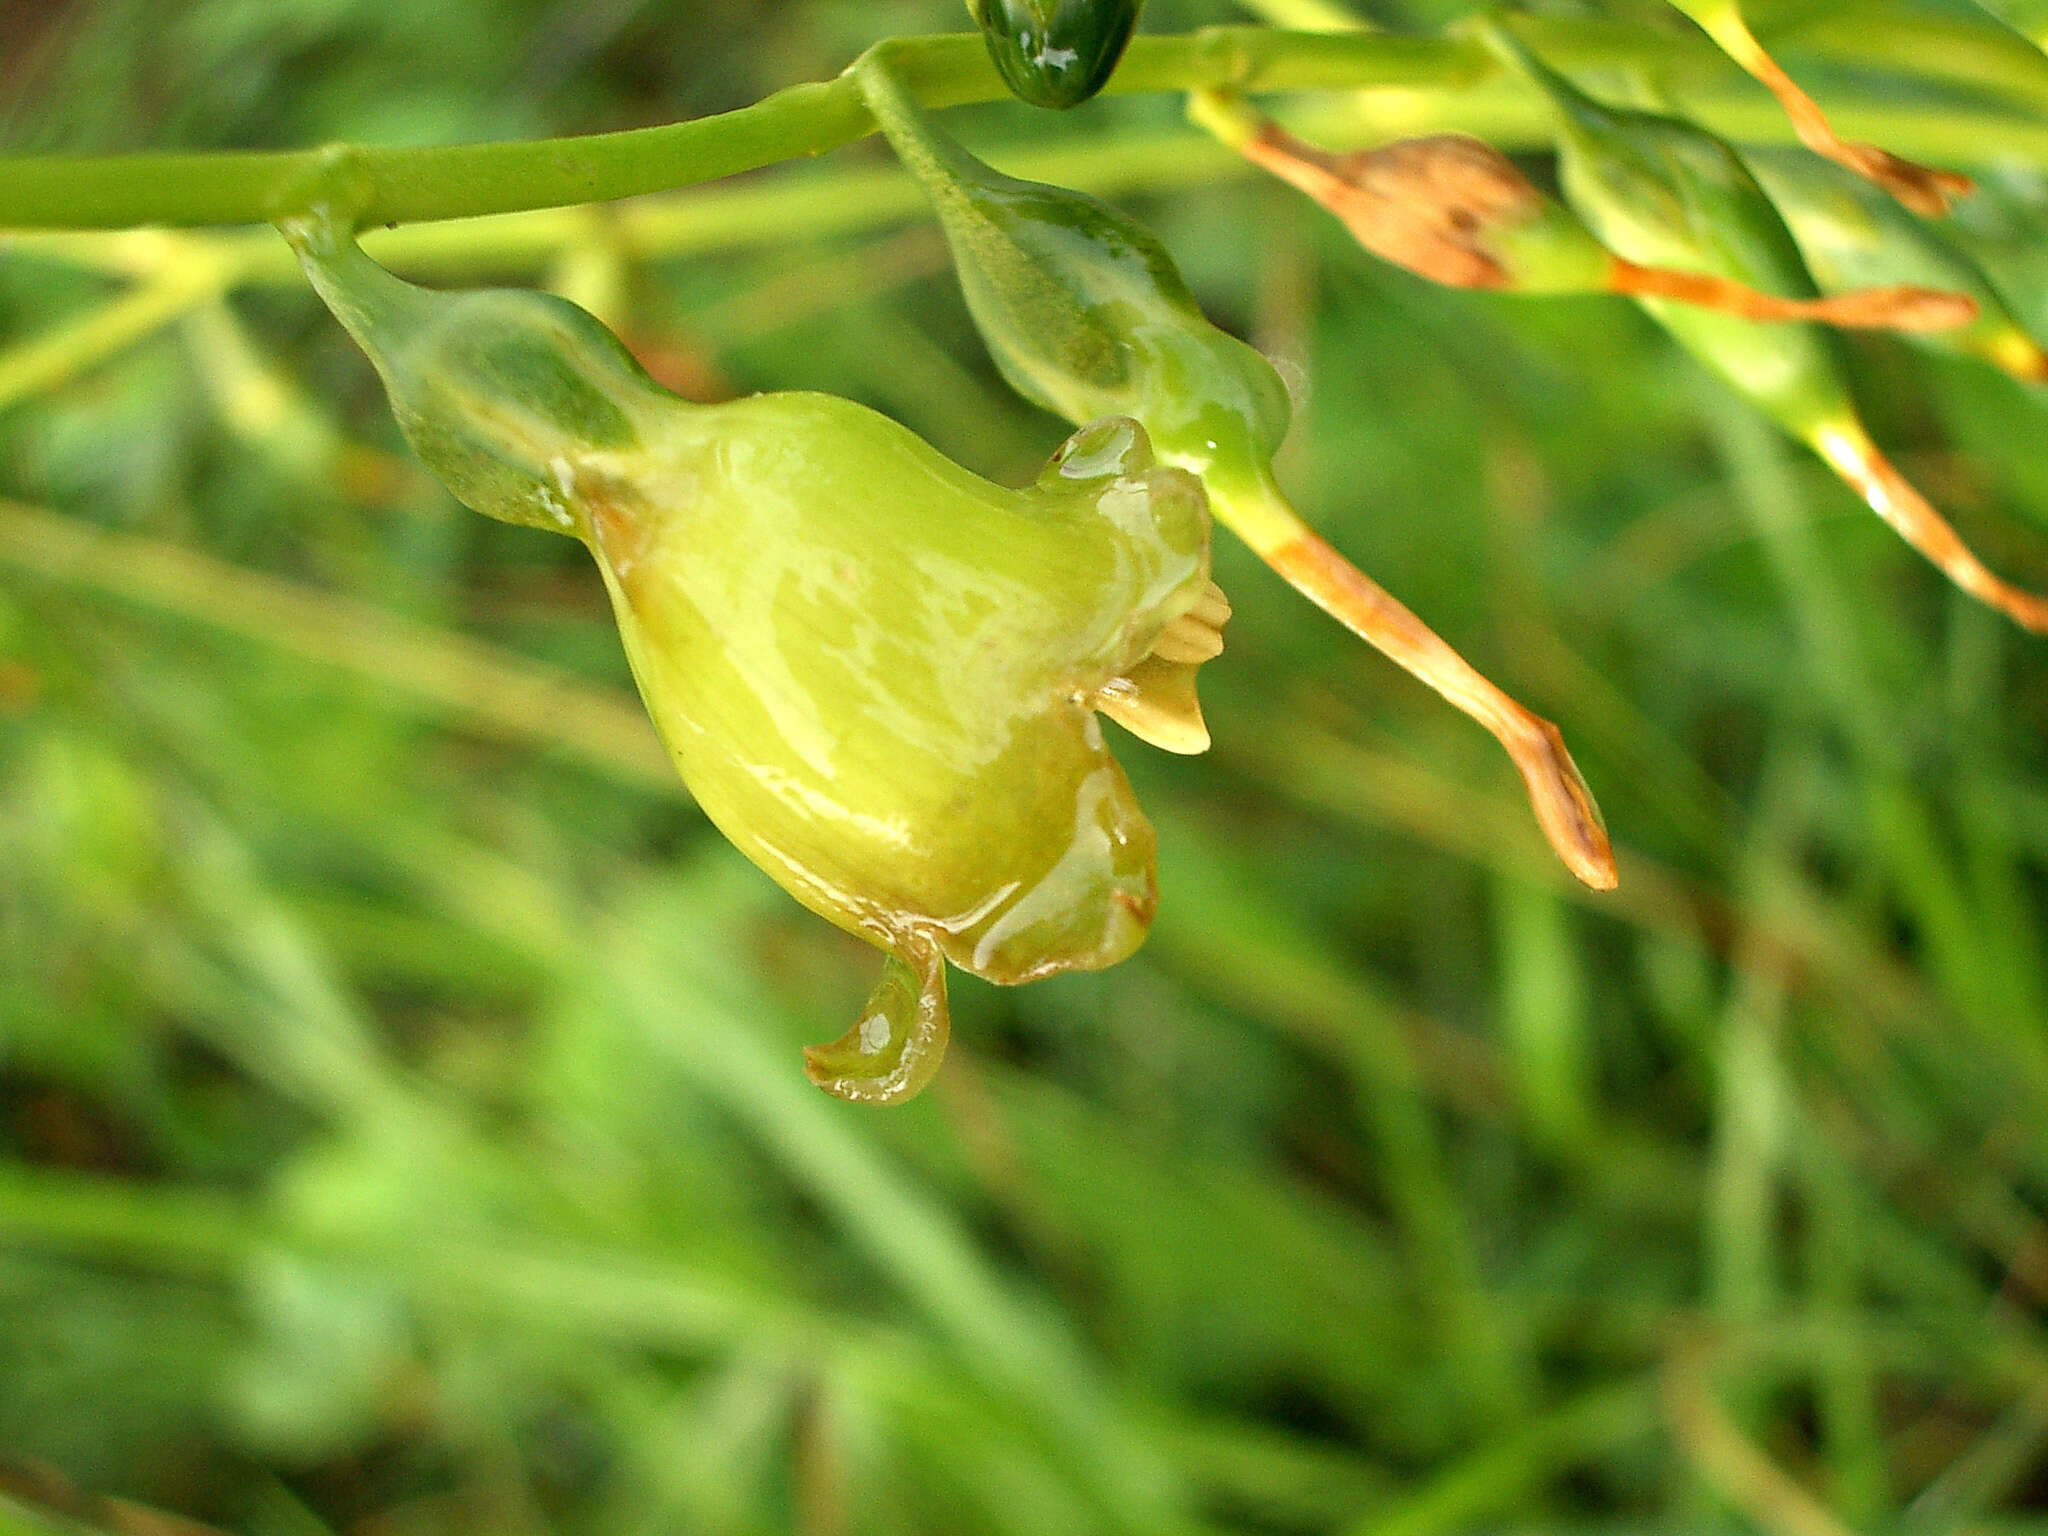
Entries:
{"x":894,"y":1048}
{"x":1157,"y":704}
{"x":1155,"y":700}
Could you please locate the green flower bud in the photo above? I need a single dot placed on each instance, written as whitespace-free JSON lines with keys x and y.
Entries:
{"x":1085,"y":313}
{"x":1667,"y":193}
{"x":1853,"y":236}
{"x":494,"y":389}
{"x":1055,"y":53}
{"x":877,"y":673}
{"x":1082,"y":308}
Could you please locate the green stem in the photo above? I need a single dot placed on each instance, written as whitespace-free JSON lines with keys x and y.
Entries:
{"x":465,"y":180}
{"x":468,"y":180}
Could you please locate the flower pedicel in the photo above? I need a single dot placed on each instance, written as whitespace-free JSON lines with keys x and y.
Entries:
{"x":878,"y":673}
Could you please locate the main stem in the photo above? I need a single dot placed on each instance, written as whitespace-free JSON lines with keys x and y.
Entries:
{"x":394,"y":186}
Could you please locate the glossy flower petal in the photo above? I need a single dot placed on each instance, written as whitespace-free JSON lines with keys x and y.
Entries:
{"x":878,"y":673}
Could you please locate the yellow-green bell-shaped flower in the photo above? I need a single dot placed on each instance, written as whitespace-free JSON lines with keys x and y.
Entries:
{"x":878,"y":673}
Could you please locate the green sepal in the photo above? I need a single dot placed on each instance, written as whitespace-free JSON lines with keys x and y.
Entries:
{"x":1549,"y":252}
{"x":1055,"y":53}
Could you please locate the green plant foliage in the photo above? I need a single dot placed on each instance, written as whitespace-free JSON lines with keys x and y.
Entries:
{"x":400,"y":1125}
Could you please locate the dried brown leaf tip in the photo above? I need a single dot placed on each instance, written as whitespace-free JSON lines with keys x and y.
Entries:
{"x":1888,"y":493}
{"x":1895,"y":307}
{"x":1564,"y":805}
{"x":1924,"y":189}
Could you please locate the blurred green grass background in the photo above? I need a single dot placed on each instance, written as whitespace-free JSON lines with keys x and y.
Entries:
{"x":401,"y":1122}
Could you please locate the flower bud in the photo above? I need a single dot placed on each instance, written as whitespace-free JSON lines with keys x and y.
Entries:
{"x":1085,"y":313}
{"x":495,"y":389}
{"x":1853,"y":236}
{"x":1455,"y":210}
{"x":878,"y":673}
{"x":1667,"y":193}
{"x":1082,"y":308}
{"x":1663,"y":193}
{"x":1055,"y":53}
